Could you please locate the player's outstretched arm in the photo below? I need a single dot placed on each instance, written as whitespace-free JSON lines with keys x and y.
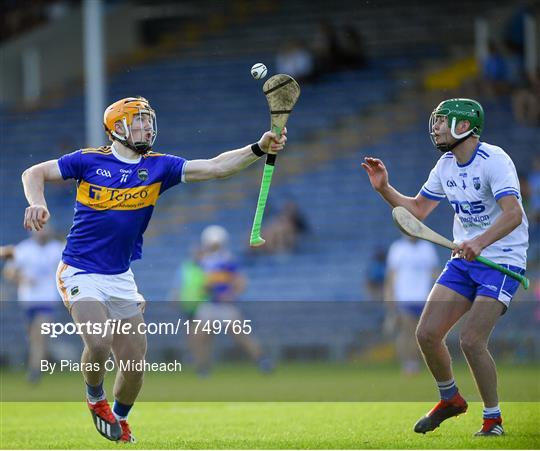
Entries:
{"x":419,"y":206}
{"x":36,"y":214}
{"x":233,"y":161}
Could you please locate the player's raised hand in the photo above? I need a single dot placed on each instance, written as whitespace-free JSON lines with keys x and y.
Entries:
{"x":35,"y":217}
{"x":271,"y":143}
{"x":377,"y":173}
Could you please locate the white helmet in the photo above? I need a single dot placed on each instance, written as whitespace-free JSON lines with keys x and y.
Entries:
{"x":214,"y":236}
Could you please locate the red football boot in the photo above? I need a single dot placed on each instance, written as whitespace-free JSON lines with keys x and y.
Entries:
{"x":104,"y":420}
{"x":442,"y":411}
{"x":491,"y":428}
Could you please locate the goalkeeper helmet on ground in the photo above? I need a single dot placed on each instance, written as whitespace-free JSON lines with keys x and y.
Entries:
{"x":456,"y":110}
{"x":125,"y":111}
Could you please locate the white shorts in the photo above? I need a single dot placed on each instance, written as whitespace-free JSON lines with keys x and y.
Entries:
{"x":210,"y":311}
{"x":118,"y":292}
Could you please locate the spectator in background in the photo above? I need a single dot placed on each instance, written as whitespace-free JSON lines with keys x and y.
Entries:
{"x":526,"y":101}
{"x":325,"y":47}
{"x":351,"y":48}
{"x":375,"y":275}
{"x":412,"y":267}
{"x":284,"y":229}
{"x":296,"y":60}
{"x":223,"y":283}
{"x":32,"y":266}
{"x":495,"y":71}
{"x":534,"y":185}
{"x":514,"y":33}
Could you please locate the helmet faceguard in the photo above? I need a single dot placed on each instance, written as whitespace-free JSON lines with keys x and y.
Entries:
{"x":456,"y":110}
{"x":125,"y":111}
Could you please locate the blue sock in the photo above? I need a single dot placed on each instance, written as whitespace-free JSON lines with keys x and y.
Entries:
{"x":447,"y":389}
{"x":95,"y":393}
{"x":121,"y":411}
{"x":492,"y":412}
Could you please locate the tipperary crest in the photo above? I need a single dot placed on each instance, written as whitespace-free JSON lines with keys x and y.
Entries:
{"x":476,"y":183}
{"x":142,"y":174}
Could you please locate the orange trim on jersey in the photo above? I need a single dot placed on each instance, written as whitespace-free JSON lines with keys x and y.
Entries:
{"x":100,"y":150}
{"x":153,"y":154}
{"x":104,"y":198}
{"x":63,"y":290}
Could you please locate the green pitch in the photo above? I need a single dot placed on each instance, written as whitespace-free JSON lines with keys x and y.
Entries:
{"x":265,"y":425}
{"x":220,"y":423}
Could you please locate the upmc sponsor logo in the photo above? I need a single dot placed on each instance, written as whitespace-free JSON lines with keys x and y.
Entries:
{"x":468,"y":208}
{"x":104,"y":198}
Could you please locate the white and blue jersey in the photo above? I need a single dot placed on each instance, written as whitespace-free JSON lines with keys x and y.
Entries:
{"x":115,"y":201}
{"x":473,"y":190}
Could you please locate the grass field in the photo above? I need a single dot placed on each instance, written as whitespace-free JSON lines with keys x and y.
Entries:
{"x":329,"y":382}
{"x":265,"y":425}
{"x":225,"y":425}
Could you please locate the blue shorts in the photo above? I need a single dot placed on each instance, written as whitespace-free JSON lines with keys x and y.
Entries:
{"x":471,"y":279}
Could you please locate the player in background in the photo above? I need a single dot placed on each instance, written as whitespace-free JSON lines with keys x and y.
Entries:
{"x":189,"y":290}
{"x":32,"y":266}
{"x":224,"y":283}
{"x":481,"y":183}
{"x":411,"y":267}
{"x":117,"y":188}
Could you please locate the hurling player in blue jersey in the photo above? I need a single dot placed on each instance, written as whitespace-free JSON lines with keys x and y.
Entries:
{"x":117,"y":189}
{"x":481,"y":183}
{"x":224,"y":283}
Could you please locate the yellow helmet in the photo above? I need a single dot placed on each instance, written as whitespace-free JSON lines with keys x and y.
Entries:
{"x":124,"y":111}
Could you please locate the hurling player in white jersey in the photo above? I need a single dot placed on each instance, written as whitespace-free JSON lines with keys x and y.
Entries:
{"x":117,"y":188}
{"x":481,"y":183}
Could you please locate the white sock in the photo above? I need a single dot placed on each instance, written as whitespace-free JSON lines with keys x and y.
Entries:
{"x":492,"y":412}
{"x":94,"y":399}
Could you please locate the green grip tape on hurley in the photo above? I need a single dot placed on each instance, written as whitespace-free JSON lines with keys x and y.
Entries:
{"x":256,"y":239}
{"x":520,"y":278}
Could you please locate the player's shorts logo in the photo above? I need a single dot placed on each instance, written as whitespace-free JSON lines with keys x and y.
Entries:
{"x":74,"y":291}
{"x":142,"y":174}
{"x":476,"y":183}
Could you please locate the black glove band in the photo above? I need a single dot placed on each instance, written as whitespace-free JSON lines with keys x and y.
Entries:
{"x":256,"y":149}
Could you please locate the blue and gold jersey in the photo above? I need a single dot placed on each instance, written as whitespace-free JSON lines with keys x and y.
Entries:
{"x":221,"y":271}
{"x":115,"y":201}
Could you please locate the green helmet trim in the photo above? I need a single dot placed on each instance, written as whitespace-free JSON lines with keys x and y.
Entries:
{"x":456,"y":110}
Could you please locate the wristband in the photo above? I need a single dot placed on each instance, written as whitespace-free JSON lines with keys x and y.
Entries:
{"x":256,"y":149}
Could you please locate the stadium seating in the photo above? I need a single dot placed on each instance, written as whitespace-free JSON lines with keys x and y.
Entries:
{"x":208,"y":104}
